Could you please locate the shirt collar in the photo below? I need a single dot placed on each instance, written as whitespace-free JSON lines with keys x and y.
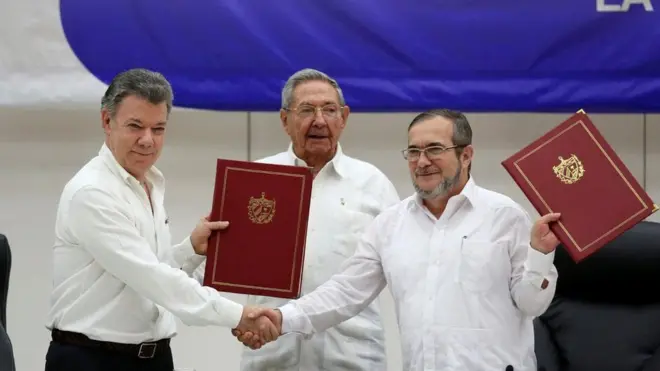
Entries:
{"x":153,"y":176}
{"x":338,"y":162}
{"x":468,"y":193}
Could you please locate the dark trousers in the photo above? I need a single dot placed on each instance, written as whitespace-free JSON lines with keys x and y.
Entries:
{"x":67,"y":357}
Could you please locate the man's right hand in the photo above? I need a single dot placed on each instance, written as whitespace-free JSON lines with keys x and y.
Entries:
{"x":258,"y":326}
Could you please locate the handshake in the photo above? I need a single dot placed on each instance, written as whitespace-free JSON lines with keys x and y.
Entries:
{"x":258,"y":326}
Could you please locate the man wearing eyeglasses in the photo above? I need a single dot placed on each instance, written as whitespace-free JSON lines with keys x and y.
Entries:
{"x":347,"y":194}
{"x":467,"y":269}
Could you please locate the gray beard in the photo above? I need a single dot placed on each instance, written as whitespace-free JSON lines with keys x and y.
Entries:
{"x":442,"y":190}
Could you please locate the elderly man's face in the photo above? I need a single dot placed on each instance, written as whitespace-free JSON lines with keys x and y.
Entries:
{"x":315,"y":120}
{"x":136,"y":134}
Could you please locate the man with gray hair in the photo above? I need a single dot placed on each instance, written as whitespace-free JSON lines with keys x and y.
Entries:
{"x":347,"y":194}
{"x":118,"y":281}
{"x":466,"y":267}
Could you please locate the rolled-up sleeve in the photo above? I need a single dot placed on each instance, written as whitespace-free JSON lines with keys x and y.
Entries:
{"x":183,"y":256}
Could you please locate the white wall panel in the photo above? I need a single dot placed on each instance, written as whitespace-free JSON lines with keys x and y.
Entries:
{"x":267,"y":135}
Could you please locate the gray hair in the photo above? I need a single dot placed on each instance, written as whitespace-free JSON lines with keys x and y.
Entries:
{"x":462,"y":135}
{"x":305,"y":75}
{"x":138,"y":82}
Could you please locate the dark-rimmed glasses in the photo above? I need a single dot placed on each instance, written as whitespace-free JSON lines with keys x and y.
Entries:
{"x":431,"y":152}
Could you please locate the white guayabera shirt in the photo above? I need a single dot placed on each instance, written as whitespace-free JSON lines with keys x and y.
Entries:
{"x":347,"y":194}
{"x":466,"y":285}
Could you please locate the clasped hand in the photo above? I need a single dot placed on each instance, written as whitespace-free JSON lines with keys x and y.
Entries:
{"x":258,"y":326}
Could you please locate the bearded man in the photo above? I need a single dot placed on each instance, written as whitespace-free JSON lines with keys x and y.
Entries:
{"x":466,"y":268}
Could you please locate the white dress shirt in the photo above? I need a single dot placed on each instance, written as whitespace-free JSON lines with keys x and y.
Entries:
{"x":347,"y":194}
{"x":114,"y":265}
{"x":466,"y":285}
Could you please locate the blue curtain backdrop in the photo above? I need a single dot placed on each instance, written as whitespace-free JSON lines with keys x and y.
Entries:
{"x":388,"y":55}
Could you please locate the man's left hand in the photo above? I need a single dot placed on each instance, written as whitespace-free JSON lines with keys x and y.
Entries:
{"x":542,"y":238}
{"x":200,"y":235}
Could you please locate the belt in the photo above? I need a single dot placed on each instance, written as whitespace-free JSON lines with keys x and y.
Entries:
{"x":144,"y":350}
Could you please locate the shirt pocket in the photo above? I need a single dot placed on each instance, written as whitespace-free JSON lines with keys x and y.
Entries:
{"x":475,"y":269}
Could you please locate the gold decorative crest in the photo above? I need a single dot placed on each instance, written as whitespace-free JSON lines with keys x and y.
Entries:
{"x":570,"y":170}
{"x":261,"y":210}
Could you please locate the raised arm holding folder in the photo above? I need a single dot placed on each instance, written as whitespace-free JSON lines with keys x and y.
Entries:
{"x":572,"y":170}
{"x":262,"y":251}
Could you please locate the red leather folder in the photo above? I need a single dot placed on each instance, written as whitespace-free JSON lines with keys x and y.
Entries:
{"x":263,"y":249}
{"x":574,"y":171}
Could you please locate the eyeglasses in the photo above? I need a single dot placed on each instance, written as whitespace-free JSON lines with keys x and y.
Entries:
{"x":432,"y":152}
{"x":329,"y":111}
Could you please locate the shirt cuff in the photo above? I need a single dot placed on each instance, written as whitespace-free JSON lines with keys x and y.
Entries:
{"x":182,"y":252}
{"x":233,"y":311}
{"x":539,"y":262}
{"x":292,"y":320}
{"x":196,"y":260}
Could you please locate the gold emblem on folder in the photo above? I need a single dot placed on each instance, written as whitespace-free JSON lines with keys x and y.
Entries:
{"x":261,"y":210}
{"x":570,"y":170}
